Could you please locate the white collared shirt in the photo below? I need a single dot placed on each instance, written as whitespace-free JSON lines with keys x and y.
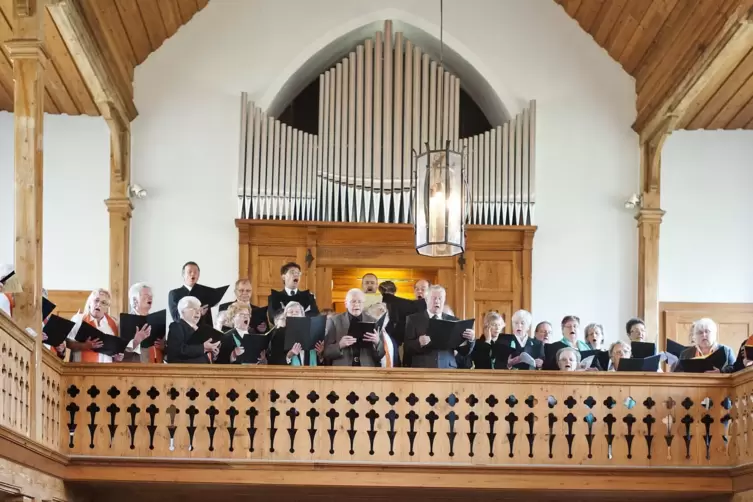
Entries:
{"x":5,"y":304}
{"x":102,"y":325}
{"x":291,"y":292}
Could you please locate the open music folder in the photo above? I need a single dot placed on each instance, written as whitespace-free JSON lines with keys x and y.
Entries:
{"x":446,"y":334}
{"x":130,"y":323}
{"x":304,"y":330}
{"x":111,"y":345}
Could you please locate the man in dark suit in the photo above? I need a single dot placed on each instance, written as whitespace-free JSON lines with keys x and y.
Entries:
{"x":340,"y":348}
{"x":418,"y":340}
{"x":190,"y":273}
{"x":291,"y":276}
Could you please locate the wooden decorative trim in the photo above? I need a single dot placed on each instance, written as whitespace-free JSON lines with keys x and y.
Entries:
{"x":719,"y":58}
{"x":24,"y":8}
{"x":405,"y":476}
{"x":9,"y":326}
{"x":24,"y":451}
{"x":8,"y":489}
{"x":27,"y":49}
{"x":393,"y":375}
{"x":90,"y":60}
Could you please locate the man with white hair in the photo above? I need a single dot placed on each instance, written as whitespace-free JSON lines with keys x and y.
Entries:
{"x":140,"y":300}
{"x":340,"y":348}
{"x":418,"y":339}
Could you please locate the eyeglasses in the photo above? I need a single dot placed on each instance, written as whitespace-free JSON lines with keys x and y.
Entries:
{"x":104,"y":303}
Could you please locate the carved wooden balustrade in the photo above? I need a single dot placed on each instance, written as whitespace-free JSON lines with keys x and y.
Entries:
{"x":97,"y":417}
{"x":376,"y":416}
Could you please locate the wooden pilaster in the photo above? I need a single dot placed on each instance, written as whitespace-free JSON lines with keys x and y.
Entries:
{"x":120,"y":209}
{"x":649,"y":220}
{"x":26,"y":50}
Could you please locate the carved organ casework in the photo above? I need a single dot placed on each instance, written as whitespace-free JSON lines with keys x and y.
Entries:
{"x":344,"y":180}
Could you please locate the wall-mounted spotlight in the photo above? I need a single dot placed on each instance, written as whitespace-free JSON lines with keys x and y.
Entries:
{"x":137,"y":191}
{"x":633,"y":201}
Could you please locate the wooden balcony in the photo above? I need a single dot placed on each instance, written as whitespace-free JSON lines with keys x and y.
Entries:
{"x":296,"y":431}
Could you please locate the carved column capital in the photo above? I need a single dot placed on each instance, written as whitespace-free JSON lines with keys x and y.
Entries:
{"x":27,"y":49}
{"x":650,"y":215}
{"x":119,"y":205}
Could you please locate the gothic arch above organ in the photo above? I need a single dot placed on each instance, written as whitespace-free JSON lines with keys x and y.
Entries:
{"x":386,"y":99}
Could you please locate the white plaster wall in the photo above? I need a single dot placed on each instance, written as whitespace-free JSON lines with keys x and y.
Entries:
{"x":76,"y":183}
{"x":706,"y":245}
{"x":185,"y":141}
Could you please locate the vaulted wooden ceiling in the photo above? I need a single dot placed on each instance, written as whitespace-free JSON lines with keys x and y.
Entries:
{"x":126,"y":31}
{"x":658,"y":42}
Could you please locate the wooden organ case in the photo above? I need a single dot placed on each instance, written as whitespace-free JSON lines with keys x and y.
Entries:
{"x":493,"y":274}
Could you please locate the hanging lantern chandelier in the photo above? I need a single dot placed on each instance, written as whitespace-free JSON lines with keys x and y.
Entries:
{"x":441,"y":198}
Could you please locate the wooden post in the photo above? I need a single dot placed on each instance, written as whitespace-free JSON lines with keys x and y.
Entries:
{"x":120,"y":209}
{"x":649,"y":220}
{"x":26,"y":50}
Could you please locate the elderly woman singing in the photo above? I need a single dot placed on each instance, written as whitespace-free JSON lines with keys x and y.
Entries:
{"x":704,"y":338}
{"x":179,"y":348}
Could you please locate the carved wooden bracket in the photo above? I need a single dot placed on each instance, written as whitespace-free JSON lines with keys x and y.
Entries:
{"x":24,"y":8}
{"x":8,"y":489}
{"x":309,"y":258}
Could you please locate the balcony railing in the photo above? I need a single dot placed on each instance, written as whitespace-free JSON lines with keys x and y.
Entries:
{"x":374,"y":416}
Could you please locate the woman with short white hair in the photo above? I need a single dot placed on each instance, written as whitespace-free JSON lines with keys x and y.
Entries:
{"x":179,"y":348}
{"x":521,"y":329}
{"x":96,"y":315}
{"x":704,"y":338}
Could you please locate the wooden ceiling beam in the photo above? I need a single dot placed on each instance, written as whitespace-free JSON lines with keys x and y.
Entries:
{"x":99,"y":78}
{"x":724,"y":52}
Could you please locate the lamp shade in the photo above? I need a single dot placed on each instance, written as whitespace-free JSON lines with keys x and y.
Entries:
{"x":440,"y":203}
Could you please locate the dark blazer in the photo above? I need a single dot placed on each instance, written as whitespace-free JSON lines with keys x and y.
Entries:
{"x":277,"y":300}
{"x":178,"y":349}
{"x":428,"y":357}
{"x":337,"y":327}
{"x":172,"y":302}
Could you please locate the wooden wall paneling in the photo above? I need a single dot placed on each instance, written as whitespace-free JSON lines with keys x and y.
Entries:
{"x":69,"y":72}
{"x":492,"y":269}
{"x":155,"y":27}
{"x":253,"y":274}
{"x":734,"y":320}
{"x":170,"y":15}
{"x":68,"y":302}
{"x":324,"y":288}
{"x":135,"y":28}
{"x":187,"y":9}
{"x":648,"y":29}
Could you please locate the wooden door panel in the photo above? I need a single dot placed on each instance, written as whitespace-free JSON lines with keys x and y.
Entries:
{"x":735,"y":321}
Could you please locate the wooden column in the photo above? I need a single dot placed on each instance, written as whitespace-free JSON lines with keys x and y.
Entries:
{"x":120,"y":209}
{"x":26,"y":50}
{"x":649,"y":220}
